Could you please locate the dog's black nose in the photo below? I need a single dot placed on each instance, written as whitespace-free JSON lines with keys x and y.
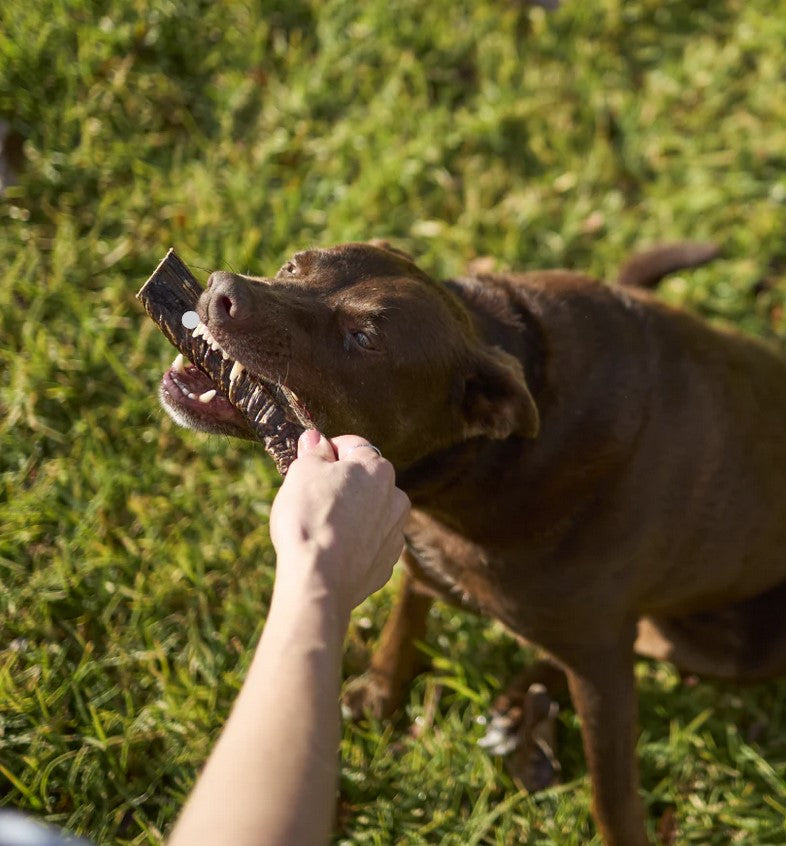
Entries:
{"x":226,"y":297}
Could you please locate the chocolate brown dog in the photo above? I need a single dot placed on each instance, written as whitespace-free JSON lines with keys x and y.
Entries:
{"x":592,"y":468}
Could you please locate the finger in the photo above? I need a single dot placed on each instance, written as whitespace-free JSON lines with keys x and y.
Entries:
{"x":313,"y":442}
{"x":393,"y":533}
{"x":391,"y":548}
{"x":382,"y":578}
{"x":401,"y":505}
{"x":385,"y":560}
{"x":354,"y":448}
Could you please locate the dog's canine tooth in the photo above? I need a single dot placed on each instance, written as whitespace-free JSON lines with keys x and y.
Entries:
{"x":208,"y":395}
{"x":236,"y":371}
{"x":178,"y":365}
{"x":199,"y":331}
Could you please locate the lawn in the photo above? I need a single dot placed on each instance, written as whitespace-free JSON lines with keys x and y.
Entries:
{"x":135,"y":563}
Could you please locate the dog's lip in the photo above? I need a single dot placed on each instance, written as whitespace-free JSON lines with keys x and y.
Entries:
{"x":185,"y":387}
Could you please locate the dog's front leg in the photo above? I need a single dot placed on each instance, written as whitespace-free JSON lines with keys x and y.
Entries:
{"x":602,"y":688}
{"x":397,"y":658}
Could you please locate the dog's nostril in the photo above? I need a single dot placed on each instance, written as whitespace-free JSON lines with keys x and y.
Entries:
{"x":227,"y":298}
{"x":225,"y":305}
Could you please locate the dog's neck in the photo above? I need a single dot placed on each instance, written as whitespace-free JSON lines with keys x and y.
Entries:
{"x":443,"y":472}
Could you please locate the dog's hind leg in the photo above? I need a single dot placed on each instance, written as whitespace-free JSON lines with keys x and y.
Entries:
{"x":397,"y":659}
{"x":743,"y":642}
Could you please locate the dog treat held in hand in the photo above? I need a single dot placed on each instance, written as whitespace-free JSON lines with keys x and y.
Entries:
{"x":214,"y":383}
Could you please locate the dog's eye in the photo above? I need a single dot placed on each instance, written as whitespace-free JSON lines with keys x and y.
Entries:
{"x":360,"y":339}
{"x":290,"y":267}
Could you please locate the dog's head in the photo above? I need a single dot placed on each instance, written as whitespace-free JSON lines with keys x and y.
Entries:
{"x":357,"y":339}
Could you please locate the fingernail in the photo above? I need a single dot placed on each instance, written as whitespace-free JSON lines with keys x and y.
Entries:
{"x":309,"y":439}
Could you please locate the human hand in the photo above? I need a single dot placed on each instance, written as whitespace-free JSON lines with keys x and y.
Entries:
{"x":338,"y":519}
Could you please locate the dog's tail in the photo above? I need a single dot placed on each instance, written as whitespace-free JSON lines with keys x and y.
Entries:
{"x":647,"y":268}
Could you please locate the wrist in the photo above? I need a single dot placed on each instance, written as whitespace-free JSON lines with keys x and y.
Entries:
{"x":304,"y":589}
{"x":312,"y":546}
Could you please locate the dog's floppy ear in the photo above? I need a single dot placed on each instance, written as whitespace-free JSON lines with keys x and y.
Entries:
{"x":496,"y":401}
{"x":382,"y":244}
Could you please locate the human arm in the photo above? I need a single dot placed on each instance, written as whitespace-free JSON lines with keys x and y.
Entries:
{"x":337,"y":526}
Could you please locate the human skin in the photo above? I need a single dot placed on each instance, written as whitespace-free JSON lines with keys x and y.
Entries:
{"x":337,"y":527}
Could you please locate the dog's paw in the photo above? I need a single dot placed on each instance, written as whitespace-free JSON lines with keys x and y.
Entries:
{"x":526,"y":735}
{"x":370,"y":695}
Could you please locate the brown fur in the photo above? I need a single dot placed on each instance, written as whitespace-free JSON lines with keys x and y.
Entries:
{"x":584,"y":463}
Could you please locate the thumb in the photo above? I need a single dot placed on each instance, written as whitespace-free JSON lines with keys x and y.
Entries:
{"x":313,"y":442}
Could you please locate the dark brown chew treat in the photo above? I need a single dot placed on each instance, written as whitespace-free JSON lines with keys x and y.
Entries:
{"x":166,"y":295}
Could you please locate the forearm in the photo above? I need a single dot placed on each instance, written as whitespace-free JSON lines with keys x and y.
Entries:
{"x":271,"y":778}
{"x":337,"y":526}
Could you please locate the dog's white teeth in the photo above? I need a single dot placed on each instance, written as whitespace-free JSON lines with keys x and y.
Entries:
{"x":236,"y":371}
{"x":191,"y":396}
{"x":201,"y":331}
{"x":208,"y":395}
{"x":178,"y":365}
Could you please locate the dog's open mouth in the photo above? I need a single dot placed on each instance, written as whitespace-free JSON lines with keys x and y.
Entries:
{"x":202,"y":402}
{"x":206,"y":388}
{"x":195,"y":401}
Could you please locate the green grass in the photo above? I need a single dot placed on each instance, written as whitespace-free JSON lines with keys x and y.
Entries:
{"x":134,"y":557}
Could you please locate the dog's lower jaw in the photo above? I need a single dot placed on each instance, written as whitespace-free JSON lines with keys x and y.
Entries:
{"x":188,"y":421}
